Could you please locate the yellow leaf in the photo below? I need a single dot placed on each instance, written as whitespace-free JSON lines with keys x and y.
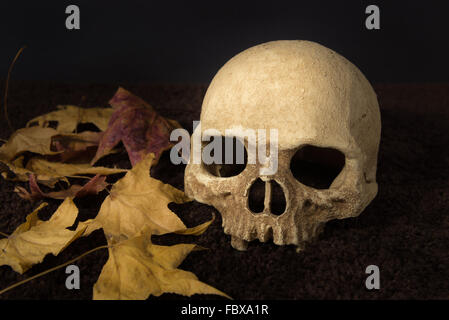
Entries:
{"x":68,"y":117}
{"x":33,"y":139}
{"x":49,"y":173}
{"x":136,"y":269}
{"x":34,"y":239}
{"x":198,"y":230}
{"x":138,"y":200}
{"x":47,"y":168}
{"x":39,"y":140}
{"x":21,"y":174}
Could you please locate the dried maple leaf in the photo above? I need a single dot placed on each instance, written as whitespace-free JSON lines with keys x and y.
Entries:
{"x":15,"y":171}
{"x":93,"y":186}
{"x":198,"y":230}
{"x":34,"y":239}
{"x":138,"y":200}
{"x":136,"y":269}
{"x":141,"y":129}
{"x":68,"y":117}
{"x":49,"y":173}
{"x":48,"y":142}
{"x":135,"y":209}
{"x":34,"y":139}
{"x":56,"y":169}
{"x":75,"y":146}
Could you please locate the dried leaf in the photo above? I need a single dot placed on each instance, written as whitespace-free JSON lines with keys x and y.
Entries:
{"x":68,"y":117}
{"x":75,"y":141}
{"x":16,"y":172}
{"x":136,"y":208}
{"x":34,"y":139}
{"x":141,"y":129}
{"x":136,"y":269}
{"x":34,"y":239}
{"x":198,"y":230}
{"x":48,"y":142}
{"x":75,"y":146}
{"x":93,"y":186}
{"x":138,"y":200}
{"x":47,"y":168}
{"x":49,"y":173}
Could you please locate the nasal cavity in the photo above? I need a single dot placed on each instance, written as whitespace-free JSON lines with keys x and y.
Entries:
{"x":256,"y":196}
{"x":278,"y":202}
{"x":268,"y":193}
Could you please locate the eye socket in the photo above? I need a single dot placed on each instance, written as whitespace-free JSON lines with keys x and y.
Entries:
{"x":317,"y":167}
{"x":224,"y":156}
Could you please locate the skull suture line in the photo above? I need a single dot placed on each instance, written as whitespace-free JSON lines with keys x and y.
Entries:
{"x":326,"y":114}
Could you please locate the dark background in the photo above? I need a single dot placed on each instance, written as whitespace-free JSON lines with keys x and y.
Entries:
{"x":404,"y":230}
{"x":188,"y":41}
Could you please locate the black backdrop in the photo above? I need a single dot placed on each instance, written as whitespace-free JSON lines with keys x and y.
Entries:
{"x":187,"y":41}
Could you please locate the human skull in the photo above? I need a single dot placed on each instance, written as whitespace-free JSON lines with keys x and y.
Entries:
{"x":327,"y":117}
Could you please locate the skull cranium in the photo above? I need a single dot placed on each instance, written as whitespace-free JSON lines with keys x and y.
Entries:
{"x":325,"y":111}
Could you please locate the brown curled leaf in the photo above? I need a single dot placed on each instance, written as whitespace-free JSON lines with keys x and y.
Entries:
{"x":77,"y":147}
{"x":93,"y":186}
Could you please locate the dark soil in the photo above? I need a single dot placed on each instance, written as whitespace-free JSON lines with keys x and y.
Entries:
{"x":404,"y":231}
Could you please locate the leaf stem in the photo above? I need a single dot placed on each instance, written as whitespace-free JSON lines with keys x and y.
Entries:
{"x":4,"y":234}
{"x":5,"y":108}
{"x":52,"y":269}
